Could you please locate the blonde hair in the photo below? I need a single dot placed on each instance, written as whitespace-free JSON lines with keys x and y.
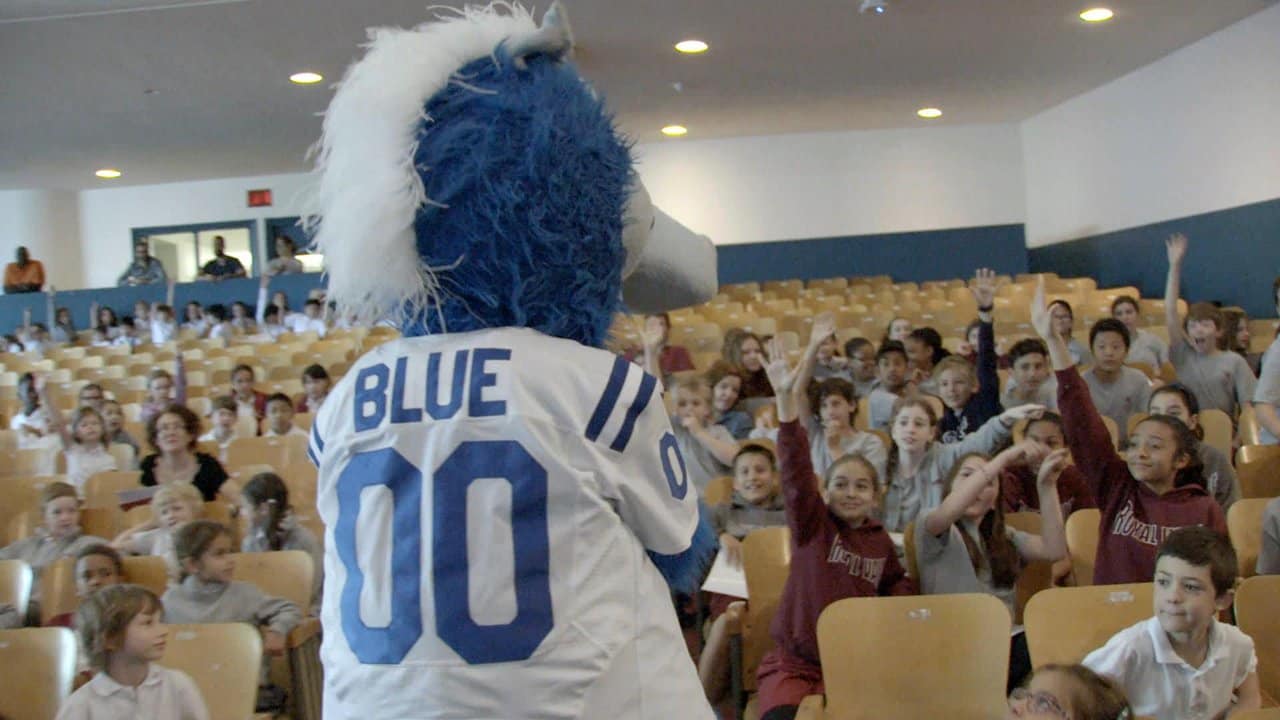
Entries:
{"x":178,"y":492}
{"x":80,"y":414}
{"x":694,"y":384}
{"x":954,"y":362}
{"x":104,"y":616}
{"x":56,"y":490}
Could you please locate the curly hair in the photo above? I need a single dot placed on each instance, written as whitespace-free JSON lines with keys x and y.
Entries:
{"x":190,"y":421}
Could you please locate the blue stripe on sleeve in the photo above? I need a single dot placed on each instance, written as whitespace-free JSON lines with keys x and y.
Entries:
{"x":643,"y":395}
{"x":609,"y":400}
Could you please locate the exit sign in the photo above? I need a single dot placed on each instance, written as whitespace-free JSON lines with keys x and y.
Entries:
{"x":259,"y":198}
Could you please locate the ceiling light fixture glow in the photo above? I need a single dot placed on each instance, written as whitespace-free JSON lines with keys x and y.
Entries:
{"x":691,"y":47}
{"x":306,"y":78}
{"x":108,"y":173}
{"x":1097,"y":15}
{"x":674,"y":130}
{"x":929,"y":113}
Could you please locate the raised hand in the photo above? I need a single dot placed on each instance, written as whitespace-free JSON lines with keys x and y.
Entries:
{"x":983,"y":287}
{"x":1176,"y":247}
{"x":824,"y":326}
{"x":781,"y":376}
{"x":651,"y":333}
{"x":1022,"y":412}
{"x":1041,"y":320}
{"x":1051,"y":468}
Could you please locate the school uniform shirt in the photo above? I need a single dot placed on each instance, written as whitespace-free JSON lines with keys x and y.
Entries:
{"x":946,"y":568}
{"x":1219,"y":476}
{"x":1019,"y":492}
{"x":1079,"y":352}
{"x":37,"y":420}
{"x":1134,"y":518}
{"x":1269,"y":554}
{"x":222,"y":330}
{"x":299,"y":323}
{"x":739,"y":518}
{"x":1045,"y":394}
{"x":1145,"y":347}
{"x":829,"y":559}
{"x":293,"y":431}
{"x":868,"y":445}
{"x":84,"y":461}
{"x":157,"y":542}
{"x":880,"y":408}
{"x":41,"y":549}
{"x":529,"y":478}
{"x":702,"y":465}
{"x":255,"y":407}
{"x":196,"y":601}
{"x":1268,"y":387}
{"x":984,"y":404}
{"x":738,"y":424}
{"x":1120,"y":398}
{"x":292,"y":537}
{"x":1220,"y":380}
{"x":162,"y":331}
{"x":165,"y":694}
{"x":907,"y":497}
{"x":1160,"y":684}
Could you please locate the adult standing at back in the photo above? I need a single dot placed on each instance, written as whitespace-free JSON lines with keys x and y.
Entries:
{"x":144,"y":270}
{"x":23,"y":275}
{"x":222,"y":266}
{"x":284,"y":263}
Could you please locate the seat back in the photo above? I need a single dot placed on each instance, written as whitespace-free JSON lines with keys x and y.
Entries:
{"x":102,"y":489}
{"x":1217,"y":429}
{"x":719,"y":491}
{"x":1035,"y":576}
{"x":15,"y":585}
{"x":766,"y":560}
{"x":285,"y":574}
{"x":950,"y":656}
{"x":1244,"y":525}
{"x":1257,"y":617}
{"x":274,"y":451}
{"x":223,"y":660}
{"x":58,"y":582}
{"x":1082,"y":543}
{"x":1258,"y":467}
{"x":39,"y":666}
{"x":1065,"y":624}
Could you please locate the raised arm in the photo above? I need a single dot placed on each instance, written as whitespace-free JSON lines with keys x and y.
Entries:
{"x":57,"y":422}
{"x":1176,"y":248}
{"x":824,"y":325}
{"x":804,"y":505}
{"x":983,"y":287}
{"x":1059,"y":356}
{"x":260,"y":312}
{"x":1051,"y":544}
{"x":651,"y":342}
{"x":179,"y":379}
{"x":965,"y":490}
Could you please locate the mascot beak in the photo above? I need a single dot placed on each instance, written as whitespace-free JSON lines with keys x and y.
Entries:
{"x":668,"y":266}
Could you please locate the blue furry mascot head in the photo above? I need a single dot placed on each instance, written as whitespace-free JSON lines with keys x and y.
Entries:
{"x":469,"y":178}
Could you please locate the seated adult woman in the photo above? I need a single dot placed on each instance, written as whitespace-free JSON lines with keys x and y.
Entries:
{"x":173,"y":433}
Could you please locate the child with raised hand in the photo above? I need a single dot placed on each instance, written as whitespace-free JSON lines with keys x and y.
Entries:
{"x":918,"y":464}
{"x":708,"y":449}
{"x":1144,"y":347}
{"x":1068,"y":692}
{"x":271,"y":525}
{"x":84,"y":440}
{"x":828,"y":363}
{"x":1177,"y":400}
{"x":1018,"y":491}
{"x":316,"y":384}
{"x":60,"y":536}
{"x":963,"y":545}
{"x":1220,"y":380}
{"x":1183,"y":662}
{"x":122,"y":631}
{"x":173,"y":506}
{"x":838,"y":550}
{"x":1030,"y":376}
{"x":726,"y":384}
{"x":861,"y":356}
{"x":660,"y":358}
{"x":206,"y":592}
{"x":1150,"y":491}
{"x":164,"y":389}
{"x":745,"y":352}
{"x":971,"y":398}
{"x":891,"y":364}
{"x":1117,"y":391}
{"x":97,"y":566}
{"x":827,"y":408}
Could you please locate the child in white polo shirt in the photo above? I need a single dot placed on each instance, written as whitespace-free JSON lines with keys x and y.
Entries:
{"x":1183,"y":663}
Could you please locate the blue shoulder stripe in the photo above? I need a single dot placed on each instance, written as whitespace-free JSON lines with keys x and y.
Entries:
{"x":609,"y":400}
{"x":647,"y":384}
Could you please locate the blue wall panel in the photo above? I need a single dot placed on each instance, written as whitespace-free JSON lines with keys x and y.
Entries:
{"x":1233,"y":258}
{"x":915,"y":256}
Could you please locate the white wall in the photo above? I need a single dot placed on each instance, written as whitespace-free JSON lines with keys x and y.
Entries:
{"x":46,"y":222}
{"x":1197,"y":131}
{"x":107,"y":217}
{"x":757,"y":189}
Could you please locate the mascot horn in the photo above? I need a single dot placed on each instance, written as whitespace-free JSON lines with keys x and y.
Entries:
{"x":505,"y":506}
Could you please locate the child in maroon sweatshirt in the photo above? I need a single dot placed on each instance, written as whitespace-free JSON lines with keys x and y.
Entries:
{"x":1018,"y":491}
{"x":838,"y":550}
{"x":1152,"y":491}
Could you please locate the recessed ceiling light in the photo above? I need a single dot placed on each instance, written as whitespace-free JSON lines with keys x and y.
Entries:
{"x":108,"y":173}
{"x":929,"y":113}
{"x":1098,"y":14}
{"x":306,"y":78}
{"x":691,"y":47}
{"x":674,"y":130}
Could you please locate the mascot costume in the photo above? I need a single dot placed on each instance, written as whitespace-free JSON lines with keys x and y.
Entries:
{"x":506,"y":510}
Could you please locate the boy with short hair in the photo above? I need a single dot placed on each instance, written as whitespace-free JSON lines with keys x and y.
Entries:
{"x":280,"y":418}
{"x":1220,"y":380}
{"x":1030,"y":381}
{"x":1183,"y":662}
{"x":97,"y":566}
{"x":1117,"y":391}
{"x":861,"y":355}
{"x":708,"y":449}
{"x":891,"y":364}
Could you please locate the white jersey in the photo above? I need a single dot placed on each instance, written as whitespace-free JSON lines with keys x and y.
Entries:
{"x":488,"y":498}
